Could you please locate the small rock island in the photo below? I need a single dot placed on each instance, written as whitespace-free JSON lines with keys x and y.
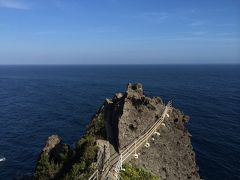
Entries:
{"x":131,"y":137}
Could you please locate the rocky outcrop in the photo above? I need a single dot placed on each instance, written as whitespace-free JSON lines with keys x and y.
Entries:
{"x":117,"y":124}
{"x":51,"y":143}
{"x":131,"y":114}
{"x":170,"y":154}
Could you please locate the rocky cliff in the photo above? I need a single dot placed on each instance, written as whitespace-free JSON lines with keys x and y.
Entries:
{"x":117,"y":124}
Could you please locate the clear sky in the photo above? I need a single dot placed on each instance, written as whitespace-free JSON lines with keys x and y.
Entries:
{"x":119,"y":31}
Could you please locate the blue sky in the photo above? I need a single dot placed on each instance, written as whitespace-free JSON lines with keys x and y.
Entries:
{"x":119,"y":31}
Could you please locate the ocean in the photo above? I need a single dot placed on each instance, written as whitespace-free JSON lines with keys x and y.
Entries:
{"x":38,"y":101}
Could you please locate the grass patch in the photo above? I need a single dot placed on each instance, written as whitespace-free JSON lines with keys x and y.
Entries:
{"x":134,"y":173}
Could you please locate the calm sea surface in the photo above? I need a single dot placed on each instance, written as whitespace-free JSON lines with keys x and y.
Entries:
{"x":37,"y":101}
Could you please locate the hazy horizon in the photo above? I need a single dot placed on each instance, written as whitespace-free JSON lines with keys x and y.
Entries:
{"x":119,"y":32}
{"x":129,"y":64}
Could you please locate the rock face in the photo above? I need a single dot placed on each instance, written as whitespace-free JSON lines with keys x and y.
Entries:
{"x":131,"y":114}
{"x":116,"y":125}
{"x":170,"y":155}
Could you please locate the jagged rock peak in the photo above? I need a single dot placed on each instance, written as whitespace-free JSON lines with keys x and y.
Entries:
{"x":135,"y":90}
{"x":119,"y":95}
{"x":51,"y":143}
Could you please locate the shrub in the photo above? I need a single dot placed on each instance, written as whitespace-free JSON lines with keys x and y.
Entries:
{"x":45,"y":168}
{"x":133,"y":173}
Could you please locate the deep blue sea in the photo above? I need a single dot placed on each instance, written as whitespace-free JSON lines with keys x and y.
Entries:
{"x":38,"y":101}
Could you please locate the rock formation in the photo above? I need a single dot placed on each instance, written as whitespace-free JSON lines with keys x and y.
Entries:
{"x":117,"y":124}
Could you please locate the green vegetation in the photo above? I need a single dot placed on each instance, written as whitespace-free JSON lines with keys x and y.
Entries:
{"x":97,"y":128}
{"x":86,"y":149}
{"x":46,"y":168}
{"x":70,"y":164}
{"x":133,"y":173}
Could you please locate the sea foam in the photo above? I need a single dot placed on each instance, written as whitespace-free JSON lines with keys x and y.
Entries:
{"x":2,"y":159}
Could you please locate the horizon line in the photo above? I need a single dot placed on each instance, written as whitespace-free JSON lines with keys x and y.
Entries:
{"x":108,"y":64}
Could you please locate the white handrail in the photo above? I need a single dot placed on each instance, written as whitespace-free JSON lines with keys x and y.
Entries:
{"x":150,"y":131}
{"x":92,"y":177}
{"x":135,"y":145}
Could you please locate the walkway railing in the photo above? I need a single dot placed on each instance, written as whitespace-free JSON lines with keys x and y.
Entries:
{"x":141,"y":140}
{"x":131,"y":149}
